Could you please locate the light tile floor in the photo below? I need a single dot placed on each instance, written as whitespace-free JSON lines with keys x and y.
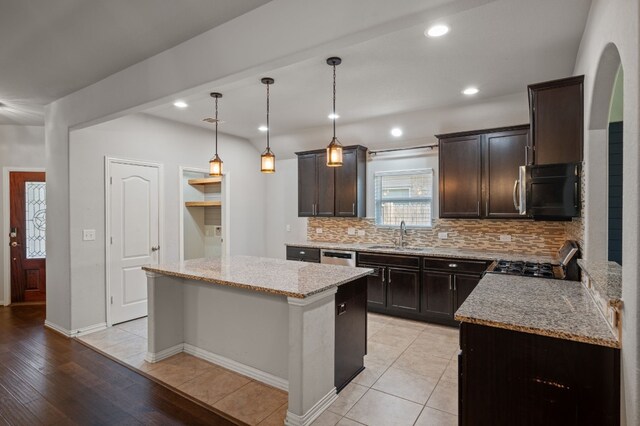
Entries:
{"x":410,"y":377}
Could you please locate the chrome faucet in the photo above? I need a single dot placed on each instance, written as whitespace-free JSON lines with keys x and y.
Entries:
{"x":403,"y":233}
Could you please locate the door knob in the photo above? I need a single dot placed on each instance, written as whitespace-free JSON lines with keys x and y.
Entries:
{"x":156,"y":248}
{"x":14,"y":244}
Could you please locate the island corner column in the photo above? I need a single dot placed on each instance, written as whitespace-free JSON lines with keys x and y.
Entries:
{"x":311,"y":356}
{"x":165,"y":316}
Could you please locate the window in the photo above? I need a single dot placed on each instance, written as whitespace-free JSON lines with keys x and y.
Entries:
{"x":404,"y":195}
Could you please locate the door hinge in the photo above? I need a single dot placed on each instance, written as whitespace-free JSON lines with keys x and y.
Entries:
{"x":112,"y":300}
{"x":111,"y":180}
{"x":111,"y":239}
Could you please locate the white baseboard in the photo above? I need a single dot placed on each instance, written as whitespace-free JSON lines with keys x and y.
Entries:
{"x":238,"y":367}
{"x":313,"y":413}
{"x":58,"y":329}
{"x":2,"y":303}
{"x":89,"y":329}
{"x":163,"y":354}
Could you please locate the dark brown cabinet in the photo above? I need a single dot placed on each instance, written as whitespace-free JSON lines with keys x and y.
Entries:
{"x":403,"y":291}
{"x":508,"y":377}
{"x":557,"y":116}
{"x":303,"y":254}
{"x":332,"y":191}
{"x":503,"y":153}
{"x":478,"y":170}
{"x":446,"y":284}
{"x":350,"y":331}
{"x":460,"y":178}
{"x":376,"y":286}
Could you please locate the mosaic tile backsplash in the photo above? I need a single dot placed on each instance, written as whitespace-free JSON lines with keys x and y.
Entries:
{"x":527,"y":236}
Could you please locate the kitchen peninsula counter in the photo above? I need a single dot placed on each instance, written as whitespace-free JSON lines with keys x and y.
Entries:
{"x":299,"y":327}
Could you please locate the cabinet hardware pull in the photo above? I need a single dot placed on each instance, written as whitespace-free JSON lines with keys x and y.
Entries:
{"x":353,"y":209}
{"x":515,"y":200}
{"x":451,"y":285}
{"x":453,"y":265}
{"x":302,"y":252}
{"x":526,"y":155}
{"x":156,"y":248}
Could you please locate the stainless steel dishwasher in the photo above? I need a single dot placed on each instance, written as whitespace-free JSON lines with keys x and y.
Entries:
{"x":338,"y":257}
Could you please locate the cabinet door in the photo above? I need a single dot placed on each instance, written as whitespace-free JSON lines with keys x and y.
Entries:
{"x":376,"y":295}
{"x":307,"y":185}
{"x":325,"y":186}
{"x":403,"y":290}
{"x":347,"y":184}
{"x":437,"y":290}
{"x":557,"y":110}
{"x":463,"y":285}
{"x":460,"y":186}
{"x":503,"y":154}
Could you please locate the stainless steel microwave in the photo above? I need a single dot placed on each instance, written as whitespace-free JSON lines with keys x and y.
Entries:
{"x":550,"y":191}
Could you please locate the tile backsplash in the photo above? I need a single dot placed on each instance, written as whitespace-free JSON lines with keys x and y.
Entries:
{"x":527,"y":236}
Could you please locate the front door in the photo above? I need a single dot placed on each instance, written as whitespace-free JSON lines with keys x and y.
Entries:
{"x":27,"y":222}
{"x":134,"y":220}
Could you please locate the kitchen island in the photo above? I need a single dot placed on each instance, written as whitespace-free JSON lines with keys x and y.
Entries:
{"x":536,"y":351}
{"x":273,"y":320}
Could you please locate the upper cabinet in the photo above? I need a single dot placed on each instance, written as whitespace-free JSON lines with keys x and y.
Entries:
{"x":460,"y":175}
{"x":478,"y":170}
{"x":332,"y":191}
{"x":557,"y":117}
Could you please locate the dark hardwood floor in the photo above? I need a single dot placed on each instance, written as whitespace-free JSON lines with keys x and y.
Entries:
{"x":46,"y":378}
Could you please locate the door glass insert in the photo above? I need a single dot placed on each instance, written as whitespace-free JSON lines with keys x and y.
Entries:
{"x":36,"y":221}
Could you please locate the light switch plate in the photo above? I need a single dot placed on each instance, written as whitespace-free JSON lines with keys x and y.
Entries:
{"x":351,"y":231}
{"x":88,"y":235}
{"x":361,"y":233}
{"x":443,"y":235}
{"x":505,"y":238}
{"x":318,"y":230}
{"x":287,"y":228}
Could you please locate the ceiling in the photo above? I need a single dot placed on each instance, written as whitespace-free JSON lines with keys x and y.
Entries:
{"x":52,"y":48}
{"x":499,"y":47}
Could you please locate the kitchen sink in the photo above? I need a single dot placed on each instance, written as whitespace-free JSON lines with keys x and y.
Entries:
{"x":399,"y":248}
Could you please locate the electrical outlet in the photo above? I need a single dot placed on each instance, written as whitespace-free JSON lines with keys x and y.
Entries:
{"x":361,"y":233}
{"x":505,"y":237}
{"x":287,"y":228}
{"x":318,"y":230}
{"x":443,"y":235}
{"x":351,"y":231}
{"x":88,"y":235}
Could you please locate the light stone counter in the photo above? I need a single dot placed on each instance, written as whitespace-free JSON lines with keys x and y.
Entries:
{"x":426,"y":251}
{"x":606,"y":278}
{"x":275,"y":276}
{"x":554,"y":308}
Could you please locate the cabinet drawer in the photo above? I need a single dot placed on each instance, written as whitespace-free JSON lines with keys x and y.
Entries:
{"x":303,"y":253}
{"x":456,"y":265}
{"x":389,"y":260}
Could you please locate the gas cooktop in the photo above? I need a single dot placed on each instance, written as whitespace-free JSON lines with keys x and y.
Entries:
{"x":531,"y":269}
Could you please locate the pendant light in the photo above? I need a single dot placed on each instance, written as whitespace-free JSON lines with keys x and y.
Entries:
{"x":268,"y":158}
{"x":215,"y":164}
{"x":334,"y":150}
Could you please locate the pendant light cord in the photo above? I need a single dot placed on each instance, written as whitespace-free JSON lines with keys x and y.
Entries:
{"x":268,"y":127}
{"x":216,"y":126}
{"x":334,"y":101}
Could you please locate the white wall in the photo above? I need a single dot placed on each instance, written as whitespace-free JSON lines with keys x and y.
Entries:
{"x":617,"y":22}
{"x":142,"y":137}
{"x":20,"y":146}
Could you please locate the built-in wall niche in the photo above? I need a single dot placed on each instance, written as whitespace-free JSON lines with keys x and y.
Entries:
{"x":202,"y":215}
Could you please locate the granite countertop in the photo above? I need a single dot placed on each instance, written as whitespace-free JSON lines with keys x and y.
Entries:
{"x":555,"y":308}
{"x":275,"y":276}
{"x":606,"y":278}
{"x":426,"y":251}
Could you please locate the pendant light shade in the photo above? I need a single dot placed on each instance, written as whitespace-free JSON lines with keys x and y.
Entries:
{"x":268,"y":158}
{"x":334,"y":150}
{"x":215,"y":164}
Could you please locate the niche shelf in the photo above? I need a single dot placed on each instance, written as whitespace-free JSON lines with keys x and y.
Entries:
{"x":205,"y":181}
{"x":203,"y":203}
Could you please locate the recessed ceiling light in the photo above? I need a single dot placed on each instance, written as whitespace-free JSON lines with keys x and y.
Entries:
{"x":470,"y":91}
{"x":333,"y":116}
{"x":436,"y":31}
{"x":180,"y":104}
{"x":263,"y":128}
{"x":396,"y":131}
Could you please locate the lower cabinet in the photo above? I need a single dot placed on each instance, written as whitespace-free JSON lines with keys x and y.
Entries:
{"x":430,"y":289}
{"x":351,"y":331}
{"x":508,"y":377}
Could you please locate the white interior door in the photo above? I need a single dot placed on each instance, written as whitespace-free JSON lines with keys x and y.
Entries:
{"x":134,"y":216}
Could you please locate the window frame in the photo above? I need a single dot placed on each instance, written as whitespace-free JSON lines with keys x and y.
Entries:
{"x":377,"y":198}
